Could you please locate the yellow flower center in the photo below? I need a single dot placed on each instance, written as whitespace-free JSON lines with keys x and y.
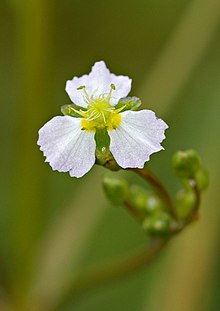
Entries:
{"x":100,"y":114}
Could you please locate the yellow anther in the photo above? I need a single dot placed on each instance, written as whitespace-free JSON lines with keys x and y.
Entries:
{"x":100,"y":114}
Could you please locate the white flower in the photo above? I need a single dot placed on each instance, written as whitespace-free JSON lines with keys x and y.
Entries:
{"x":69,"y":142}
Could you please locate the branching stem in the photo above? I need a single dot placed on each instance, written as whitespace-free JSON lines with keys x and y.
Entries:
{"x":100,"y":275}
{"x":147,"y":175}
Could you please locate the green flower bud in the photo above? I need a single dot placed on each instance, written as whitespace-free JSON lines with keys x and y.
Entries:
{"x":154,"y":204}
{"x":157,"y":224}
{"x":144,"y":200}
{"x":138,"y":197}
{"x":116,"y":189}
{"x":202,"y":179}
{"x":185,"y":203}
{"x":186,"y":163}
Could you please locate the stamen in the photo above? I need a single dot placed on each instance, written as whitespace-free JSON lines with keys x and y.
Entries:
{"x":79,"y":112}
{"x":93,"y":117}
{"x":85,"y":96}
{"x":103,"y":117}
{"x":100,"y":113}
{"x":120,"y":109}
{"x":109,"y":109}
{"x":92,"y":96}
{"x":86,"y":100}
{"x":112,"y":88}
{"x":81,"y":87}
{"x":90,"y":109}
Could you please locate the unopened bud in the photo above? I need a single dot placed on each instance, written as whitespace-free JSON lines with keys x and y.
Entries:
{"x":185,"y":203}
{"x":202,"y":179}
{"x":157,"y":224}
{"x":154,"y":204}
{"x":138,"y":197}
{"x":116,"y":189}
{"x":186,"y":163}
{"x":144,"y":200}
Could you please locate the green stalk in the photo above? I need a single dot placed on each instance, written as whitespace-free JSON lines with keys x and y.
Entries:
{"x":28,"y":180}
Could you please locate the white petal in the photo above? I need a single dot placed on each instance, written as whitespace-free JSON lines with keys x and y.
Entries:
{"x":138,"y":136}
{"x":97,"y":83}
{"x":77,"y":95}
{"x":66,"y":146}
{"x":99,"y":79}
{"x":102,"y":79}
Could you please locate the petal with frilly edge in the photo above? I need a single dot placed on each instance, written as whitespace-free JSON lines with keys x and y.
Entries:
{"x":138,"y":136}
{"x":97,"y":83}
{"x":66,"y":147}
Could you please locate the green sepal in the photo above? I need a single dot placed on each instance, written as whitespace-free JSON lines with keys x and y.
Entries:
{"x":102,"y":146}
{"x":102,"y":139}
{"x":116,"y":189}
{"x":103,"y":154}
{"x":67,"y":110}
{"x":129,"y":103}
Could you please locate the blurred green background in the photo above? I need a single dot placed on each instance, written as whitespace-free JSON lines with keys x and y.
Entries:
{"x":51,"y":224}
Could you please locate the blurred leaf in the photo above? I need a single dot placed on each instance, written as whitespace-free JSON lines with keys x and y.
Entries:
{"x":182,"y":52}
{"x":63,"y":247}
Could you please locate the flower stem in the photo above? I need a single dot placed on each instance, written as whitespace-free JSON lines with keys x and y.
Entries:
{"x":95,"y":277}
{"x":195,"y":214}
{"x":198,"y":197}
{"x":147,"y":175}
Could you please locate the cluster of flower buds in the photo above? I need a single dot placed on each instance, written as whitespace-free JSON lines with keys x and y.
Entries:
{"x":189,"y":169}
{"x":144,"y":204}
{"x":188,"y":166}
{"x":148,"y":206}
